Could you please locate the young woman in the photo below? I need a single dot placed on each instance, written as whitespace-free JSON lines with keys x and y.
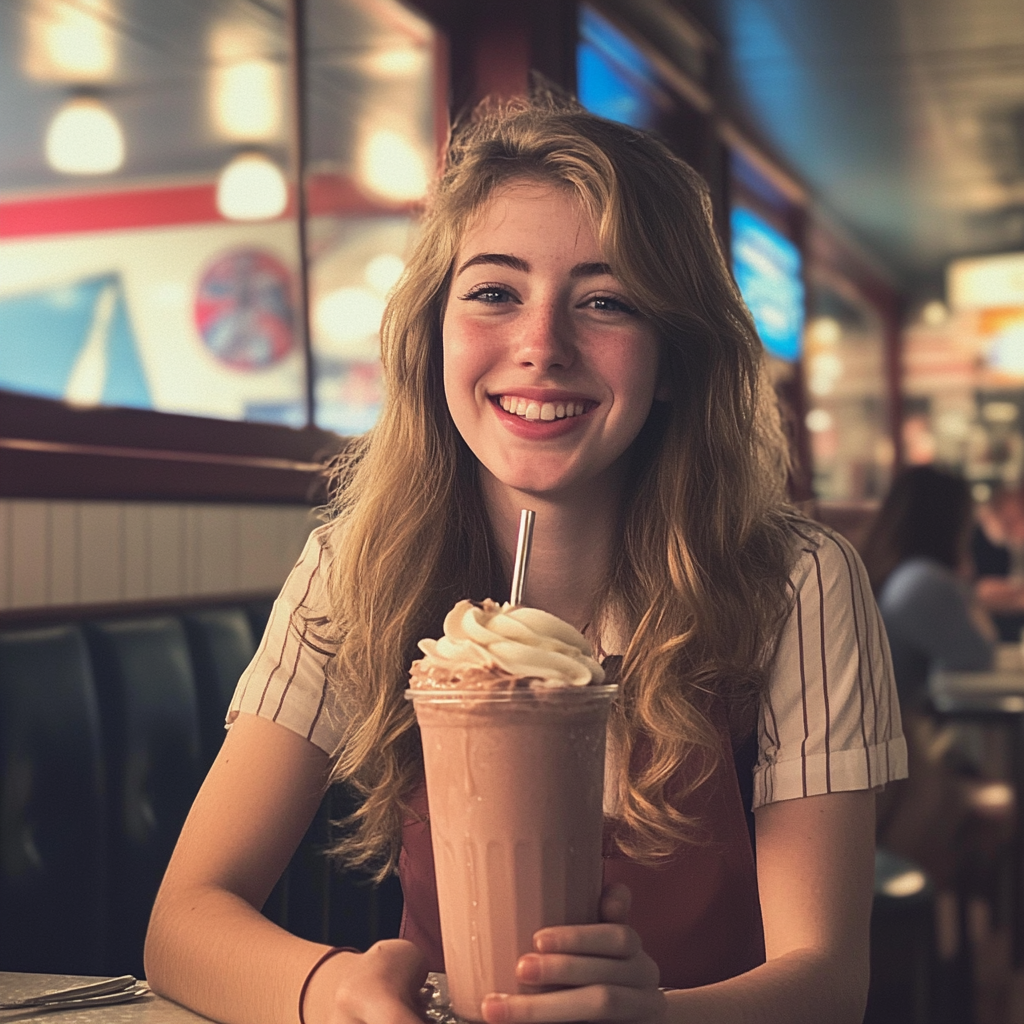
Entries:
{"x":567,"y":338}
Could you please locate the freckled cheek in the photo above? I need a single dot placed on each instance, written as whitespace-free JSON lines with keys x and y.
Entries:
{"x":465,"y":363}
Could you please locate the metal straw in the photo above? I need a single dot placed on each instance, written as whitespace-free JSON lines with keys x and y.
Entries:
{"x":523,"y":547}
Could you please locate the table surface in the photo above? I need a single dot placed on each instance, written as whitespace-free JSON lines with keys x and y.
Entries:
{"x":150,"y":1009}
{"x":1000,"y":689}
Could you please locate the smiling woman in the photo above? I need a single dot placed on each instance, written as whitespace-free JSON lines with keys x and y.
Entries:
{"x":566,"y":336}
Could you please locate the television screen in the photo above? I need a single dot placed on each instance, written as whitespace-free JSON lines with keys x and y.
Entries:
{"x":766,"y":265}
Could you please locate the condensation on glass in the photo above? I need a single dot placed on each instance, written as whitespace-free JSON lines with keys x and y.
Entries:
{"x":148,"y":246}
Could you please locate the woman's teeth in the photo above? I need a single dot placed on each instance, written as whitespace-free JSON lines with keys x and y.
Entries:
{"x":539,"y":410}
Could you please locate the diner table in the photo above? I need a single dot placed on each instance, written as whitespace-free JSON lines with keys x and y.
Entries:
{"x":149,"y":1008}
{"x":995,"y":697}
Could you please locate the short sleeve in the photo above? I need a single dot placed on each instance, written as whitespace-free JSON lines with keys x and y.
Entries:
{"x":286,"y":681}
{"x":830,"y":719}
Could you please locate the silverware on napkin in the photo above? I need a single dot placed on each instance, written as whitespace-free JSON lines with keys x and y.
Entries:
{"x":96,"y":993}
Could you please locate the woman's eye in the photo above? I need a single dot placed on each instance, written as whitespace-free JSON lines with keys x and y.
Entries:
{"x":607,"y":304}
{"x":488,"y":294}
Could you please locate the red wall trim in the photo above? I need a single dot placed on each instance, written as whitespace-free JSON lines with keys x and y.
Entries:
{"x":167,"y":206}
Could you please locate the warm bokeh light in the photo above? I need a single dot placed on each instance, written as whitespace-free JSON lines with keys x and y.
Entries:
{"x":383,"y":271}
{"x":69,"y":41}
{"x":403,"y":62}
{"x":391,"y":167}
{"x":999,"y":412}
{"x":251,"y":187}
{"x":934,"y":313}
{"x":246,"y":100}
{"x":819,"y":420}
{"x":909,"y":883}
{"x":348,"y":319}
{"x":824,"y":371}
{"x":84,"y":137}
{"x":824,"y":330}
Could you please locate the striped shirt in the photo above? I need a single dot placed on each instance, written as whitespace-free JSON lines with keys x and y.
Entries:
{"x":830,"y":720}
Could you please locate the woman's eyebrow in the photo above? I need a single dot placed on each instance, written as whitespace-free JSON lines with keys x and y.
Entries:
{"x":499,"y":258}
{"x":591,"y":270}
{"x":502,"y":259}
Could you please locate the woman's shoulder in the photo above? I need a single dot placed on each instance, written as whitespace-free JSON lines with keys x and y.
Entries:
{"x":822,"y":556}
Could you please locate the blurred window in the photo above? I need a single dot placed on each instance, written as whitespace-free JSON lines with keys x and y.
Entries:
{"x":148,"y":244}
{"x":848,"y":418}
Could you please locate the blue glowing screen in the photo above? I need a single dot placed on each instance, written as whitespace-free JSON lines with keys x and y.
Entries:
{"x":613,"y":77}
{"x":766,"y":265}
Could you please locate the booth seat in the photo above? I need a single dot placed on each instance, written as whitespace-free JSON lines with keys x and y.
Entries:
{"x":107,"y":728}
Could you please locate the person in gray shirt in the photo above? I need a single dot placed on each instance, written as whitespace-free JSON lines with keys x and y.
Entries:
{"x":917,"y":556}
{"x":918,"y":562}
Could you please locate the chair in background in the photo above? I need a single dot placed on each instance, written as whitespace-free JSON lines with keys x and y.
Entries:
{"x":149,"y":710}
{"x":53,"y":830}
{"x":221,"y":645}
{"x":904,"y":963}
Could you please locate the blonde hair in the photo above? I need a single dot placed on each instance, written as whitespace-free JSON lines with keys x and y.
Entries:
{"x":699,"y":580}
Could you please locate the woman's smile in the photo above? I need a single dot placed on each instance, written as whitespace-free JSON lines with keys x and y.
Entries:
{"x":549,"y":369}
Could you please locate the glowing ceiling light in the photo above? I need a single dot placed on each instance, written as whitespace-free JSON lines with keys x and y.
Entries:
{"x":246,"y":100}
{"x":69,"y":41}
{"x":392,"y":167}
{"x":84,"y":137}
{"x":251,"y":187}
{"x":383,"y":272}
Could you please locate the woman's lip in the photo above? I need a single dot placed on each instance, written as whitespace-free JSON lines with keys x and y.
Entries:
{"x":542,"y":395}
{"x":538,"y":429}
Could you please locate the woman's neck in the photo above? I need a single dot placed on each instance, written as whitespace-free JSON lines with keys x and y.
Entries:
{"x":572,"y":545}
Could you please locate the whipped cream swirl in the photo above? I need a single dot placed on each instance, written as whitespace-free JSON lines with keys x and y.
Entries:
{"x":526,"y":643}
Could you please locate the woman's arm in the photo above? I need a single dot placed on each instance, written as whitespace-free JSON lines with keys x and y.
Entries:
{"x":208,"y":945}
{"x":815,"y":863}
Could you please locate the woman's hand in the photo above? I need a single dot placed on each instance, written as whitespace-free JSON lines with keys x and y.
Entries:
{"x":380,"y":986}
{"x":606,"y":973}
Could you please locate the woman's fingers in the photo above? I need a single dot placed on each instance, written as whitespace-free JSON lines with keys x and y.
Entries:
{"x":592,"y":1003}
{"x":558,"y":969}
{"x":606,"y":940}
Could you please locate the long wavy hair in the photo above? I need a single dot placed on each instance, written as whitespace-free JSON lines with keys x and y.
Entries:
{"x":699,"y":578}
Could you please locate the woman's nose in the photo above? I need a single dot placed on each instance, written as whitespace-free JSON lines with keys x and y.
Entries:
{"x":544,"y":341}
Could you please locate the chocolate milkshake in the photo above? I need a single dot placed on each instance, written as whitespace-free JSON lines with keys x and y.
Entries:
{"x":513,"y":717}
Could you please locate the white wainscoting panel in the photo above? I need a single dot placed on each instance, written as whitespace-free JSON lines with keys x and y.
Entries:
{"x":55,"y":553}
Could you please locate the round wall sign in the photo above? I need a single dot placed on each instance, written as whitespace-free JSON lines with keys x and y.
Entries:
{"x":244,"y":311}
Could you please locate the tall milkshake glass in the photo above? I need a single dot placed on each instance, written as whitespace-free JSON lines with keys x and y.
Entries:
{"x":515,"y":782}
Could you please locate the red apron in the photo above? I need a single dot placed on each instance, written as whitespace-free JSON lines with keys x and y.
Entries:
{"x":697,"y":914}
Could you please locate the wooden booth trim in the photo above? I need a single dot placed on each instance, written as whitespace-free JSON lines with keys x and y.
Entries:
{"x":50,"y":615}
{"x":51,"y":450}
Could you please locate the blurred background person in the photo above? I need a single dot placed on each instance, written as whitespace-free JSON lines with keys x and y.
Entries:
{"x":917,"y":553}
{"x":997,"y":548}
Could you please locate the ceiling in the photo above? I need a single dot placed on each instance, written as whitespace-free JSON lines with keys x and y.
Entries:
{"x":904,"y":117}
{"x":156,"y":68}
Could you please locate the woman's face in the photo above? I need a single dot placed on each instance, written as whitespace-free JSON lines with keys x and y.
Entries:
{"x":549,"y":371}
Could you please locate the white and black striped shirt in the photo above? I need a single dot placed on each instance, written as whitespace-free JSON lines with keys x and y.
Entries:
{"x":830,"y":721}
